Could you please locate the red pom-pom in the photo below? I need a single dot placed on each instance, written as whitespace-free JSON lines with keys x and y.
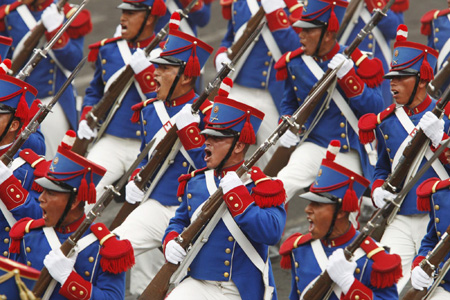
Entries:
{"x":225,"y":87}
{"x":68,"y":139}
{"x":426,"y":72}
{"x":333,"y":150}
{"x":367,"y":124}
{"x":5,"y":66}
{"x":247,"y":133}
{"x":175,"y":21}
{"x":192,"y":66}
{"x":333,"y":22}
{"x":350,"y":201}
{"x":159,"y":8}
{"x":402,"y":33}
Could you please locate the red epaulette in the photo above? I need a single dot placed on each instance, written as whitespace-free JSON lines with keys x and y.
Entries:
{"x":426,"y":189}
{"x":19,"y":230}
{"x":138,"y":107}
{"x":183,"y":179}
{"x":38,"y":163}
{"x":373,"y":4}
{"x":8,"y":8}
{"x":82,"y":25}
{"x":400,"y":6}
{"x":117,"y":256}
{"x":95,"y":48}
{"x":368,"y":122}
{"x":427,"y":18}
{"x":386,"y":268}
{"x":291,"y":243}
{"x":226,"y":8}
{"x":280,"y":65}
{"x":267,"y":191}
{"x":369,"y":70}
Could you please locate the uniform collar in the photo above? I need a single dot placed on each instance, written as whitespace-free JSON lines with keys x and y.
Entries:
{"x":141,"y":44}
{"x":329,"y":55}
{"x":41,"y":6}
{"x":72,"y":226}
{"x":229,"y":169}
{"x":181,"y":100}
{"x":419,"y":108}
{"x":341,"y":240}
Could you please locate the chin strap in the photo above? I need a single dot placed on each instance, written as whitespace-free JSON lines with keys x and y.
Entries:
{"x":333,"y":222}
{"x":141,"y":29}
{"x":11,"y":119}
{"x":230,"y":151}
{"x":322,"y":34}
{"x":175,"y":81}
{"x":66,"y":209}
{"x":413,"y":94}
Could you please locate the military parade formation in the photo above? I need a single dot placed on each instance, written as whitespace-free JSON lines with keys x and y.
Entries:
{"x":325,"y":102}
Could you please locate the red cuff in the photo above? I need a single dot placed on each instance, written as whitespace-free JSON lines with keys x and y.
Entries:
{"x":135,"y":172}
{"x":196,"y":7}
{"x":417,"y":261}
{"x":220,"y":50}
{"x":170,"y":236}
{"x":237,"y":200}
{"x":358,"y":291}
{"x":61,"y":42}
{"x":86,"y":109}
{"x":12,"y":193}
{"x":146,"y":80}
{"x":277,"y":20}
{"x":76,"y":288}
{"x":442,"y":157}
{"x":190,"y":136}
{"x":351,"y":84}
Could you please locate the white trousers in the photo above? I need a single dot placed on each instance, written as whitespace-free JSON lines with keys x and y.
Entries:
{"x":193,"y":289}
{"x":304,"y":164}
{"x":440,"y":294}
{"x":261,"y":100}
{"x":54,"y":127}
{"x":404,"y":236}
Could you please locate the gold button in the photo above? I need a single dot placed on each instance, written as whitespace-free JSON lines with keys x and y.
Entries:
{"x":436,"y":30}
{"x":11,"y":190}
{"x":234,"y":12}
{"x":180,"y":199}
{"x":189,"y":208}
{"x":52,"y":61}
{"x":226,"y":274}
{"x":357,"y":270}
{"x":356,"y":297}
{"x":189,"y":195}
{"x":436,"y":207}
{"x":296,"y":278}
{"x":266,"y":63}
{"x":91,"y":259}
{"x":370,"y":36}
{"x":343,"y":135}
{"x":296,"y":264}
{"x":391,"y":160}
{"x":145,"y":122}
{"x":436,"y":40}
{"x":350,"y":81}
{"x":81,"y":293}
{"x":29,"y":263}
{"x":437,"y":220}
{"x":345,"y":147}
{"x":50,"y":82}
{"x":293,"y":77}
{"x":184,"y":164}
{"x":231,"y":198}
{"x":230,"y":238}
{"x":50,"y":92}
{"x":443,"y":282}
{"x":263,"y":84}
{"x":196,"y":139}
{"x":74,"y":288}
{"x":388,"y":150}
{"x":228,"y":250}
{"x":386,"y":137}
{"x":264,"y":73}
{"x":28,"y":249}
{"x":6,"y":241}
{"x":87,"y":273}
{"x":51,"y":71}
{"x":191,"y":130}
{"x":5,"y":253}
{"x":138,"y":133}
{"x":145,"y":133}
{"x":236,"y":205}
{"x":298,"y":292}
{"x":370,"y":46}
{"x":355,"y":88}
{"x":104,"y":72}
{"x":7,"y":229}
{"x":103,"y":61}
{"x":269,"y":53}
{"x":226,"y":263}
{"x":9,"y":27}
{"x":295,"y":88}
{"x":342,"y":124}
{"x":438,"y":233}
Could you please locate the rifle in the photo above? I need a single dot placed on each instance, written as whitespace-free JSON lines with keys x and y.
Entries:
{"x":68,"y":246}
{"x":349,"y":14}
{"x":39,"y":54}
{"x":434,"y":86}
{"x":119,"y":87}
{"x":323,"y":283}
{"x":37,"y":119}
{"x":430,"y":264}
{"x":281,"y":155}
{"x":165,"y":146}
{"x":31,"y":42}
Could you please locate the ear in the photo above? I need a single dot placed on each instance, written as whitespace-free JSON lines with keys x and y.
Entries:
{"x":75,"y":203}
{"x":342,"y":215}
{"x":239,"y":148}
{"x":15,"y":125}
{"x":186,"y":80}
{"x":151,"y":20}
{"x":423,"y":84}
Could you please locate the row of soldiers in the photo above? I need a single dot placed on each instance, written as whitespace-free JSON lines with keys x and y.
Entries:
{"x":230,"y":259}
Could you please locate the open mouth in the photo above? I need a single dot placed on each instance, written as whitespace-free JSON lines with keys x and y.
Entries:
{"x":394,"y":93}
{"x":158,"y":85}
{"x":124,"y":28}
{"x":311,"y":225}
{"x":44,"y":214}
{"x":208,"y":154}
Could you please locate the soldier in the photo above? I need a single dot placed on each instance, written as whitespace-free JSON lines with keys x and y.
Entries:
{"x":371,"y":273}
{"x":18,"y":19}
{"x":378,"y":42}
{"x":255,"y":82}
{"x":334,"y":118}
{"x":16,"y":279}
{"x":175,"y":78}
{"x":97,"y":267}
{"x":233,"y":262}
{"x":411,"y":69}
{"x":121,"y":136}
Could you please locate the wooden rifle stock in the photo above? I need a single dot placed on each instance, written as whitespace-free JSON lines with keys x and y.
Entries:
{"x":349,"y":13}
{"x":435,"y":85}
{"x":318,"y":290}
{"x":280,"y":158}
{"x":31,"y":42}
{"x":430,"y":264}
{"x":165,"y":146}
{"x":119,"y":86}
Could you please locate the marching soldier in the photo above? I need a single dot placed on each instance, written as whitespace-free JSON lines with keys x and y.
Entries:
{"x":97,"y":268}
{"x":411,"y":69}
{"x":371,"y":273}
{"x":233,"y":263}
{"x":18,"y":19}
{"x":175,"y":78}
{"x":355,"y":94}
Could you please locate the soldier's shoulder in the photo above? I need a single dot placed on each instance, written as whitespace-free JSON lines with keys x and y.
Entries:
{"x":95,"y":47}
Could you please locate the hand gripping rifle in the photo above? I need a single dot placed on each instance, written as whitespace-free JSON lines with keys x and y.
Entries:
{"x":39,"y":54}
{"x":323,"y":284}
{"x":430,"y":264}
{"x":281,"y":155}
{"x":31,"y":42}
{"x":37,"y":119}
{"x":119,"y":88}
{"x":165,"y":146}
{"x":435,"y":85}
{"x":68,"y":246}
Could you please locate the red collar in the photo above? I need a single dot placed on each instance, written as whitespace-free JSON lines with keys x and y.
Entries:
{"x":41,"y":6}
{"x":340,"y":240}
{"x":181,"y":100}
{"x":71,"y":227}
{"x":419,"y":108}
{"x":141,"y":44}
{"x":229,"y":169}
{"x":329,"y":55}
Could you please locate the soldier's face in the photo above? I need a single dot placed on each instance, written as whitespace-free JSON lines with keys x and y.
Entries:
{"x":309,"y":37}
{"x":164,"y":77}
{"x":131,"y":21}
{"x":401,"y":88}
{"x":319,"y":216}
{"x":216,"y":148}
{"x":52,"y":204}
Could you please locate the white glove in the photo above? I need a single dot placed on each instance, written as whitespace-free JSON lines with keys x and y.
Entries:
{"x":341,"y":270}
{"x":85,"y":132}
{"x":174,"y":252}
{"x":229,"y":182}
{"x":289,"y":139}
{"x":59,"y":266}
{"x":221,"y":58}
{"x":52,"y":18}
{"x":185,"y":117}
{"x":5,"y":172}
{"x":379,"y":194}
{"x":272,"y":5}
{"x":337,"y":60}
{"x":433,"y":127}
{"x":420,"y":279}
{"x":139,"y":61}
{"x":133,"y":194}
